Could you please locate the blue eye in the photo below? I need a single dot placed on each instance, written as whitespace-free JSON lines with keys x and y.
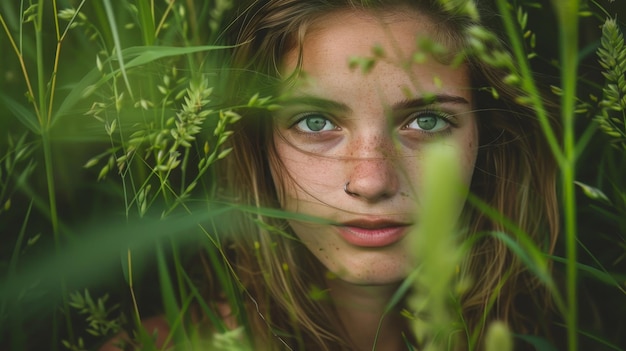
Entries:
{"x":428,"y":121}
{"x":314,"y":122}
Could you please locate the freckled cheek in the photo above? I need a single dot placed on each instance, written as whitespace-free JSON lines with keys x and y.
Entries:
{"x":303,"y":175}
{"x":469,"y":153}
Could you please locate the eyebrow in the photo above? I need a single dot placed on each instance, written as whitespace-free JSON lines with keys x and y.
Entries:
{"x":406,"y":104}
{"x":429,"y":100}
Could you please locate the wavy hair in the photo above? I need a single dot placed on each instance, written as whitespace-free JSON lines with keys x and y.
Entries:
{"x":515,"y":174}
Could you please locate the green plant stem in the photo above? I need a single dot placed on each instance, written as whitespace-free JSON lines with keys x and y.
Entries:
{"x":170,"y":5}
{"x":567,"y":13}
{"x":20,"y":58}
{"x":45,"y":127}
{"x":527,"y":78}
{"x":44,"y":123}
{"x":145,"y":9}
{"x":193,"y":22}
{"x":55,"y":69}
{"x":54,"y":219}
{"x":131,"y":286}
{"x":41,"y":85}
{"x":110,"y":15}
{"x":183,"y":170}
{"x":569,"y":215}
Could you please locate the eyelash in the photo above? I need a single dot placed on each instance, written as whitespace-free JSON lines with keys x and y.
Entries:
{"x":443,"y":116}
{"x":303,"y":116}
{"x":446,"y":117}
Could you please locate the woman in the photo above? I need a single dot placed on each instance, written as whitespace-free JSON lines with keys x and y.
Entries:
{"x":346,"y":146}
{"x":345,"y":153}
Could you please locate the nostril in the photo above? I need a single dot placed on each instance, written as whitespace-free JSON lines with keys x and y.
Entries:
{"x":345,"y":189}
{"x":373,"y":180}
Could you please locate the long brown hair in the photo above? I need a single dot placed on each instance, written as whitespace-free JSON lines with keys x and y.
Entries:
{"x":515,"y":174}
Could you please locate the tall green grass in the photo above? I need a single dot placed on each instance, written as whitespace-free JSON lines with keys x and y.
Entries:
{"x":110,"y":135}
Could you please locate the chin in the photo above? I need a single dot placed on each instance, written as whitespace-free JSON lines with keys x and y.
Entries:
{"x":369,"y":276}
{"x":376,"y":280}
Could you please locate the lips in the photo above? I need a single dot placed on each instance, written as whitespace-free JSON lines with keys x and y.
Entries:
{"x":373,"y":234}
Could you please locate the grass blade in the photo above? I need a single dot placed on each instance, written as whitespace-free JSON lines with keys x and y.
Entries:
{"x":23,"y":114}
{"x":146,"y":21}
{"x":117,"y":43}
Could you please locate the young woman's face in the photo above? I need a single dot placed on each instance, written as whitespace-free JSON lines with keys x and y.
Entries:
{"x":341,"y":126}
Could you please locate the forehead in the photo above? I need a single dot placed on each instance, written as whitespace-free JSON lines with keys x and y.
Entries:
{"x":333,"y":40}
{"x":388,"y":19}
{"x":396,"y":30}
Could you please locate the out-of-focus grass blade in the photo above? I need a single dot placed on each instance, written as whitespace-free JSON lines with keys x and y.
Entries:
{"x":116,"y":41}
{"x":395,"y":299}
{"x":138,"y":55}
{"x":402,"y":290}
{"x":225,"y":275}
{"x":89,"y":256}
{"x":172,"y":310}
{"x":600,"y":340}
{"x":146,"y":21}
{"x":527,"y":253}
{"x":216,"y":321}
{"x":598,"y":274}
{"x":146,"y":54}
{"x":433,"y":245}
{"x":24,"y":115}
{"x":520,"y":243}
{"x":13,"y":262}
{"x":282,"y":214}
{"x":539,"y":343}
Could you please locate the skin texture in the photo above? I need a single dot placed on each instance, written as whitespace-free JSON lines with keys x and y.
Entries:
{"x":370,"y":139}
{"x":368,"y":136}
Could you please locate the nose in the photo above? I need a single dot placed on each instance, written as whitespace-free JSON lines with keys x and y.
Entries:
{"x":373,"y":177}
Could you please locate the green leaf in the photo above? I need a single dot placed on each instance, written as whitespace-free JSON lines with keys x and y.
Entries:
{"x":531,"y":256}
{"x":108,"y":8}
{"x":23,"y":114}
{"x":595,"y":273}
{"x":145,"y":54}
{"x":540,"y":344}
{"x":593,"y":193}
{"x":166,"y":284}
{"x":146,"y":21}
{"x":522,"y":245}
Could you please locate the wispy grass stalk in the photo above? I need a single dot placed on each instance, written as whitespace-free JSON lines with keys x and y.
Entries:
{"x":437,"y":280}
{"x":20,"y":57}
{"x":527,"y":78}
{"x":42,"y":106}
{"x":565,"y":154}
{"x":567,"y":14}
{"x":46,"y":125}
{"x":110,"y":15}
